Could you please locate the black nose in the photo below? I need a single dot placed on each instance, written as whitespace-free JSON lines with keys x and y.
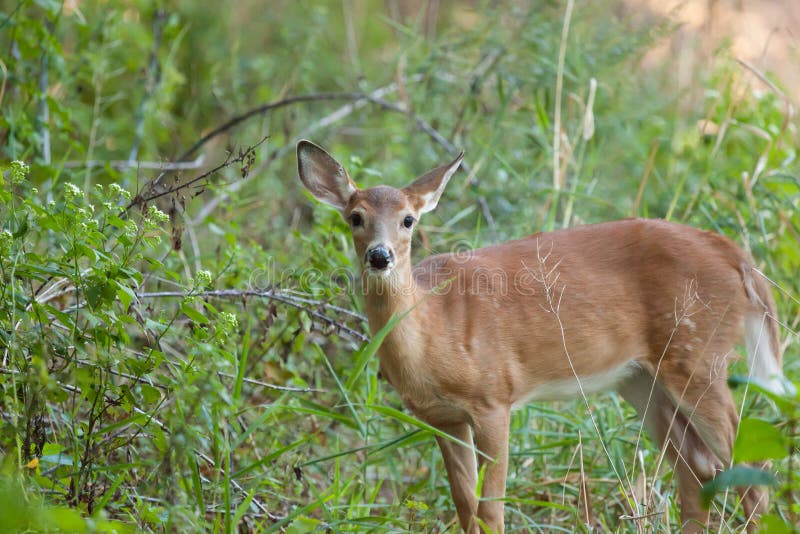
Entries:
{"x":379,"y":258}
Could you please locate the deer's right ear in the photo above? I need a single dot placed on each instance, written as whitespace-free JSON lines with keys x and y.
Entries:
{"x":323,"y":176}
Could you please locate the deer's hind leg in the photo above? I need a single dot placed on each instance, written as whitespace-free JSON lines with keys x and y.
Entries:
{"x":694,"y":461}
{"x":704,"y":397}
{"x":693,"y":418}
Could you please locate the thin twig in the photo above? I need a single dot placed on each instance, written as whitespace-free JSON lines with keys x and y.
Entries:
{"x":477,"y":77}
{"x":421,"y":124}
{"x":278,"y":296}
{"x":243,"y":157}
{"x":272,"y":386}
{"x":120,"y":164}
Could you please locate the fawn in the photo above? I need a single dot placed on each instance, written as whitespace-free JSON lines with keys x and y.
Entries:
{"x":649,"y":308}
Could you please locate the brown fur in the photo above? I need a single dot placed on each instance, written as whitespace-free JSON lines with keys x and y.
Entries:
{"x":656,"y":304}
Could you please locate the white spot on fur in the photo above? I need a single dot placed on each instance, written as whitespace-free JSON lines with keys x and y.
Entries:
{"x":702,"y":465}
{"x":567,"y":388}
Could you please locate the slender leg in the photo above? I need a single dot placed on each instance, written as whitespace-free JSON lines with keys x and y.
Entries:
{"x":697,"y":434}
{"x":459,"y":461}
{"x":694,"y":461}
{"x":755,"y":500}
{"x":491,"y":438}
{"x":708,"y":403}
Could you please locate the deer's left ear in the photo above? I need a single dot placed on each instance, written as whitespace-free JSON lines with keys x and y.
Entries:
{"x":426,"y":190}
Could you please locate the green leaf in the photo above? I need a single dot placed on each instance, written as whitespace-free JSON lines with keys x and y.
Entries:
{"x":786,"y":403}
{"x":362,"y":429}
{"x":772,"y":524}
{"x":242,"y":363}
{"x":150,"y":394}
{"x":759,"y":440}
{"x":735,"y":477}
{"x":51,"y":448}
{"x":193,"y":314}
{"x":303,"y":525}
{"x":65,"y":520}
{"x":125,"y":295}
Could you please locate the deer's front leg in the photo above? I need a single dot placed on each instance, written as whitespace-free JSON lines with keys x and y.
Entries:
{"x":459,"y":461}
{"x":491,"y":438}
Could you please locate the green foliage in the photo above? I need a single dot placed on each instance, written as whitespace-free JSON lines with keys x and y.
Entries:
{"x":759,"y":440}
{"x":230,"y":385}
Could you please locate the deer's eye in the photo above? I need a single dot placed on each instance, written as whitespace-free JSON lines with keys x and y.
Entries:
{"x":408,"y":222}
{"x":356,"y":219}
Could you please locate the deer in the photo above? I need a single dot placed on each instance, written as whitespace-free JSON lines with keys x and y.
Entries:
{"x":649,"y":308}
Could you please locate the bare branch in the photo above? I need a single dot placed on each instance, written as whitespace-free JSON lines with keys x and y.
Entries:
{"x":120,"y":164}
{"x":307,"y":305}
{"x":265,"y":108}
{"x":271,"y":386}
{"x":246,"y":157}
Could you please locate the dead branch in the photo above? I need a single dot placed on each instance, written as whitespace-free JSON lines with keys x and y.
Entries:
{"x":245,"y":156}
{"x":122,"y":164}
{"x":311,"y":307}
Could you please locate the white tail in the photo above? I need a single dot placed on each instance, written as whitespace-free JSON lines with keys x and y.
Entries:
{"x":761,"y":335}
{"x":650,"y":308}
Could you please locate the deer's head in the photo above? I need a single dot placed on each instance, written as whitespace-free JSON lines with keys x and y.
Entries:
{"x":381,"y":218}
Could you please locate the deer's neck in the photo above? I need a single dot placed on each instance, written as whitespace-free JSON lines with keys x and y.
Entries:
{"x":392,"y":296}
{"x":396,"y":296}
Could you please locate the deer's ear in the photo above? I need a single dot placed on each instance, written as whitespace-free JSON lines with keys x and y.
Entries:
{"x":426,"y":190}
{"x":323,"y":176}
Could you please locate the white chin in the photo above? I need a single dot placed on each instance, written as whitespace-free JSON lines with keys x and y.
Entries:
{"x":379,"y":273}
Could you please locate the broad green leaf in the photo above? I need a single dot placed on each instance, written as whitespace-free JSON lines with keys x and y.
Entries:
{"x":736,"y":477}
{"x":125,"y":295}
{"x":149,"y":393}
{"x":303,"y":525}
{"x":51,"y":448}
{"x":759,"y":440}
{"x":772,"y":524}
{"x":193,"y":314}
{"x":65,"y":520}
